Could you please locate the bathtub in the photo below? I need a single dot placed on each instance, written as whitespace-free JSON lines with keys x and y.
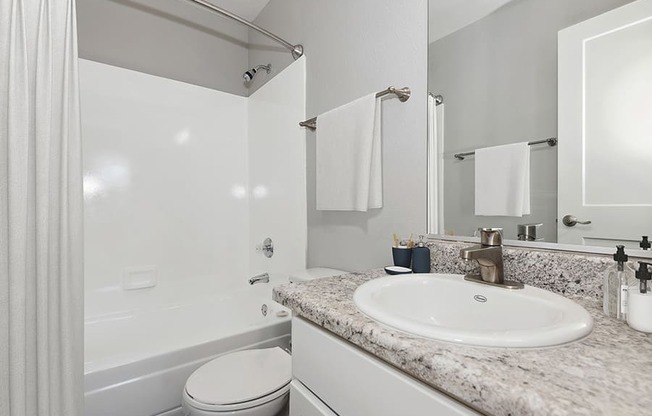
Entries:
{"x":137,"y":362}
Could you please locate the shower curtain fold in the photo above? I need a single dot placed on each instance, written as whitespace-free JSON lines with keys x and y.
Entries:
{"x":41,"y":212}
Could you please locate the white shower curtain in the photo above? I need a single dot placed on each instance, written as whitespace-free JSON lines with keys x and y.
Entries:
{"x":435,"y":168}
{"x":41,"y":247}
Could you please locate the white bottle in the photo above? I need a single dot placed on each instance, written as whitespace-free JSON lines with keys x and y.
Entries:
{"x":639,"y":312}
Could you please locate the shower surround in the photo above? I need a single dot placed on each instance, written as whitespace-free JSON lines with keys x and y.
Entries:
{"x":180,"y":184}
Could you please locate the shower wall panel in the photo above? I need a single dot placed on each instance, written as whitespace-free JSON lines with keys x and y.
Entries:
{"x":277,"y":171}
{"x":165,"y":189}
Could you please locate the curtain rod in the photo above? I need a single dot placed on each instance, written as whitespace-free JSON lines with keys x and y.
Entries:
{"x":296,"y":50}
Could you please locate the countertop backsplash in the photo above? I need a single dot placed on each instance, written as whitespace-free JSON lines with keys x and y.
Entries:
{"x":565,"y":273}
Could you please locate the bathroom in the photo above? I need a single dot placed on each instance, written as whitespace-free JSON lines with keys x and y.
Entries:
{"x":171,"y":246}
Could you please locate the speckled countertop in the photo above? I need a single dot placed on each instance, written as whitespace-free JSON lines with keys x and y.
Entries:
{"x":608,"y":373}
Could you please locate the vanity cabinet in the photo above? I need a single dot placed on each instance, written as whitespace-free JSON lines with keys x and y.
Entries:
{"x":303,"y":402}
{"x":332,"y":377}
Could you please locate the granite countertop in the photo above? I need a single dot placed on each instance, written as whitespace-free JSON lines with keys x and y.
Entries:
{"x":607,"y":373}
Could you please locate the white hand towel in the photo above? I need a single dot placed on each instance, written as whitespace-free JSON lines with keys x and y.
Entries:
{"x":349,"y":157}
{"x":502,"y":180}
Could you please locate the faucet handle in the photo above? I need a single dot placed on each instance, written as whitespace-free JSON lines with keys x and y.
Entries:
{"x":491,"y":236}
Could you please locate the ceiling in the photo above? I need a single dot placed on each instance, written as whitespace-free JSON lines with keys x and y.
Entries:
{"x":248,"y":9}
{"x":448,"y":16}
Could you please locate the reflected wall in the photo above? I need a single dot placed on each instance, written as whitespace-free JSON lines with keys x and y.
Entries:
{"x":498,"y":77}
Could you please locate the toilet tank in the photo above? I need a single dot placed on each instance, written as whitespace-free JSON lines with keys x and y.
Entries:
{"x":314,"y":273}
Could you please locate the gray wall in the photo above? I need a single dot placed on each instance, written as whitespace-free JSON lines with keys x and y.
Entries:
{"x":498,"y":77}
{"x":354,"y":48}
{"x":159,"y":37}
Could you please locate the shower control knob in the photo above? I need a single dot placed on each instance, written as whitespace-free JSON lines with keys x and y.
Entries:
{"x":572,"y":221}
{"x":267,"y":248}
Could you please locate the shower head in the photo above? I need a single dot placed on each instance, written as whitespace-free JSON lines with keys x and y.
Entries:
{"x":251,"y":74}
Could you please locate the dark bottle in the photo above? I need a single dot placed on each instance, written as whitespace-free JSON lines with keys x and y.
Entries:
{"x":421,"y":257}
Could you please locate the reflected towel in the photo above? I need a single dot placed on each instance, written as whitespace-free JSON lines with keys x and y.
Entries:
{"x":502,"y":180}
{"x":349,"y":157}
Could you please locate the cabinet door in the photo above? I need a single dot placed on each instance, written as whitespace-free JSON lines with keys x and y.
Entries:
{"x":304,"y":403}
{"x":354,"y":383}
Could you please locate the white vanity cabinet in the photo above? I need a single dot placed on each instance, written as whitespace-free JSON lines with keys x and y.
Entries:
{"x":303,"y":402}
{"x":332,"y":377}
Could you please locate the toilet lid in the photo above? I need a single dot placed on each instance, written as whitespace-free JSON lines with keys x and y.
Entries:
{"x":240,"y":376}
{"x":314,"y":273}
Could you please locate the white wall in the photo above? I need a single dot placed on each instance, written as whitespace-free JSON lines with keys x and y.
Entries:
{"x":189,"y":180}
{"x":165,"y":176}
{"x":277,"y":171}
{"x":354,"y":48}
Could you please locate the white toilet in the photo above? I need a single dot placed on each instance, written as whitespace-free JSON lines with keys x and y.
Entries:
{"x":245,"y":383}
{"x":314,"y":273}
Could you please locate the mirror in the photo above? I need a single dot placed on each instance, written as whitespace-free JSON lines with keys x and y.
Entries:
{"x":506,"y":72}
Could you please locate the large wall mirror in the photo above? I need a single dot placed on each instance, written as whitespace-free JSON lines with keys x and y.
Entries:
{"x":574,"y":76}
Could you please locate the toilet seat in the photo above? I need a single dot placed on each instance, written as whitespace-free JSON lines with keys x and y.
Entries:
{"x":240,"y":380}
{"x":217,"y":408}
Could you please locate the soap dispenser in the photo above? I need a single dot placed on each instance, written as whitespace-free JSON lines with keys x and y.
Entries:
{"x":639,"y":311}
{"x":617,"y":280}
{"x":643,"y":275}
{"x":421,"y":257}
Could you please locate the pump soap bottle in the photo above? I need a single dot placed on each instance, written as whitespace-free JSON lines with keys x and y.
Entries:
{"x":639,"y":313}
{"x":617,"y":280}
{"x":421,"y":257}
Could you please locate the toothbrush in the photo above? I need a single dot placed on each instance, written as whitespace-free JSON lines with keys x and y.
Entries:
{"x":395,"y":240}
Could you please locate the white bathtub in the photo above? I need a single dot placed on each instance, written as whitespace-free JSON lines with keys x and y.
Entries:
{"x":136,"y":363}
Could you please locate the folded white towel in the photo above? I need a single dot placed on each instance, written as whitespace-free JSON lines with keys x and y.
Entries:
{"x":349,"y":157}
{"x":502,"y":180}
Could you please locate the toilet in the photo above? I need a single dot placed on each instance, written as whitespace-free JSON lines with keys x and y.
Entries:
{"x":314,"y":273}
{"x":245,"y":383}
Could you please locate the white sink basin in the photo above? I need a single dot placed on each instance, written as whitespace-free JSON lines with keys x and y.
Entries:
{"x":448,"y":308}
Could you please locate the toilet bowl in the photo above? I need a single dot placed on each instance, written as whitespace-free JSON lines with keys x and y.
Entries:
{"x":245,"y":383}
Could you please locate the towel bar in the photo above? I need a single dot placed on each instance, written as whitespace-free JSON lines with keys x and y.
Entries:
{"x":552,"y":141}
{"x":403,"y":95}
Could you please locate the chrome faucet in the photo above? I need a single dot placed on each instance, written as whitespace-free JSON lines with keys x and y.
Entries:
{"x":489,"y":254}
{"x":259,"y":278}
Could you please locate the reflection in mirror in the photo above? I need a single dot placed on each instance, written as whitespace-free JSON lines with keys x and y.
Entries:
{"x":497,"y":72}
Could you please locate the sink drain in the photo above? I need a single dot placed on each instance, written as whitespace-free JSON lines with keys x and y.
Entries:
{"x":480,"y":298}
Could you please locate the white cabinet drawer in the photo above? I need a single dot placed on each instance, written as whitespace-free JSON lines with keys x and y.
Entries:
{"x":354,"y":383}
{"x":304,"y":403}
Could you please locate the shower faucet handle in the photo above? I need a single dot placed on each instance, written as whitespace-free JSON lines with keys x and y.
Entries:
{"x":267,"y":247}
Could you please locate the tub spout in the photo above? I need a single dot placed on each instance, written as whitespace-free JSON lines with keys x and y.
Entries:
{"x":259,"y":278}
